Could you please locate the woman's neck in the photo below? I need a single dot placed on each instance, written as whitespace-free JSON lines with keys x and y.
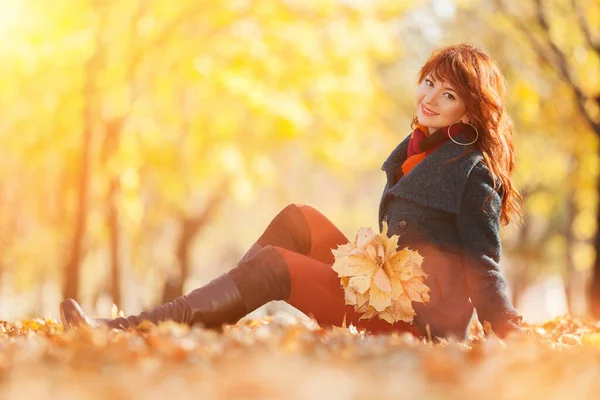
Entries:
{"x":427,"y":130}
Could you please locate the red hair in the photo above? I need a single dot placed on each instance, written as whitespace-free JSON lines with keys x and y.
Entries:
{"x":480,"y":84}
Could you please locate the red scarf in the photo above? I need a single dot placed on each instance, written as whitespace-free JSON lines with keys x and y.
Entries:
{"x":421,"y":144}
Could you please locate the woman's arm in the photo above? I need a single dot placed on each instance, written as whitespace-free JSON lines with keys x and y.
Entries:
{"x":478,"y":232}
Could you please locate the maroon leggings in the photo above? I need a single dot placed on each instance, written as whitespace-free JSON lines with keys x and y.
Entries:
{"x":304,"y":237}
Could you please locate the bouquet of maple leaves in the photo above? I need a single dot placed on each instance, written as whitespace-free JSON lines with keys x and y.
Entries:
{"x":377,"y":279}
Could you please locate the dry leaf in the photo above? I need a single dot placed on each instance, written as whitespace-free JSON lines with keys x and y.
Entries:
{"x":377,"y":279}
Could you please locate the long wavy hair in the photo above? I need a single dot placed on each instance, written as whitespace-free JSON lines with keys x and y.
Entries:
{"x":479,"y":82}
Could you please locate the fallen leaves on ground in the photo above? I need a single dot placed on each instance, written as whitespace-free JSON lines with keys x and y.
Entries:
{"x":282,"y":357}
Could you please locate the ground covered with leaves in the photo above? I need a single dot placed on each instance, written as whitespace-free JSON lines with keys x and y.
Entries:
{"x":283,"y":357}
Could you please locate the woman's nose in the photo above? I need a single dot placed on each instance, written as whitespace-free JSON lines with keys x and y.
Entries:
{"x":430,"y":99}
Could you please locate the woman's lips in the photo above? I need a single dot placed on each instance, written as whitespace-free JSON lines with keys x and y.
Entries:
{"x":427,"y":111}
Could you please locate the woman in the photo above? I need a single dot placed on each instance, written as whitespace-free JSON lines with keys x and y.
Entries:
{"x":448,"y":189}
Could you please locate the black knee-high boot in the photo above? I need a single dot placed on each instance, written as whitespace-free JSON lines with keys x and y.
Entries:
{"x":219,"y":302}
{"x":262,"y":277}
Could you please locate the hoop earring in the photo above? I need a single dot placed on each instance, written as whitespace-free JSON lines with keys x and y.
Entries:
{"x":463,"y":144}
{"x":412,"y":117}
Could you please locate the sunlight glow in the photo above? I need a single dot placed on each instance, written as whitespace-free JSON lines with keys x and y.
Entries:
{"x":11,"y":12}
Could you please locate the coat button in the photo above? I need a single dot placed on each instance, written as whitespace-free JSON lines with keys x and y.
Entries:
{"x":385,"y":217}
{"x":402,"y":223}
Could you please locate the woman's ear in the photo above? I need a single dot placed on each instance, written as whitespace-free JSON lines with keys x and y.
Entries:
{"x":465,"y":119}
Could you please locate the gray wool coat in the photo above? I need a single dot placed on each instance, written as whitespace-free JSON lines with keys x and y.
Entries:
{"x":438,"y":209}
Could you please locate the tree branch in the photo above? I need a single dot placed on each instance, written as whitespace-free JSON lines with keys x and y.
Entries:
{"x":585,"y":27}
{"x":552,"y":55}
{"x":191,"y":224}
{"x":558,"y":54}
{"x":533,"y":42}
{"x":564,"y":67}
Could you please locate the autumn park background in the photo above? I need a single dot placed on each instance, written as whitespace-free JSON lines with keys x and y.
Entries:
{"x":145,"y":144}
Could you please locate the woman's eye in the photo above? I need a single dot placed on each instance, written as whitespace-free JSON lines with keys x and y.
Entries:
{"x":428,"y":82}
{"x":448,"y":95}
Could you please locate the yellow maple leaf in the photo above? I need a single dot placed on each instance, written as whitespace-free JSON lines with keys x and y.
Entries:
{"x":362,"y":302}
{"x":387,"y":316}
{"x":377,"y":279}
{"x":397,"y":287}
{"x":343,"y":250}
{"x":360,"y":283}
{"x":379,"y":299}
{"x":369,"y":313}
{"x":353,"y":265}
{"x":416,"y":289}
{"x":31,"y":325}
{"x":381,"y":280}
{"x":350,"y":296}
{"x":364,"y":237}
{"x":402,"y":308}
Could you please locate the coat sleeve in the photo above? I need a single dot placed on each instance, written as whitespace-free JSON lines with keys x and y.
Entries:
{"x":478,"y":225}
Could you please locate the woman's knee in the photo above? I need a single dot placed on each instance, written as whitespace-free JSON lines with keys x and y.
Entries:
{"x":289,"y":229}
{"x":297,"y":208}
{"x":288,"y":211}
{"x":306,"y":210}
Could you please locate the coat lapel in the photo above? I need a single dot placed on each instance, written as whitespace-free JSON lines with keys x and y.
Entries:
{"x":395,"y":160}
{"x":439,"y":180}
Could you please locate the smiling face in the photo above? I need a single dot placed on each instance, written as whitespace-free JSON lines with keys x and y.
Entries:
{"x":438,"y":104}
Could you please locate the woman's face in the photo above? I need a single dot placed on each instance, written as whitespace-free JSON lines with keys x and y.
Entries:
{"x":438,"y":104}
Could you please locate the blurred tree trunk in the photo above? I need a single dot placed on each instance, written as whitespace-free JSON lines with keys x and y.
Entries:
{"x":190,"y":227}
{"x":92,"y":66}
{"x":519,"y":275}
{"x":111,"y":147}
{"x":6,"y":219}
{"x":114,"y":131}
{"x":571,"y":271}
{"x":528,"y":249}
{"x":549,"y":51}
{"x":112,"y":141}
{"x":595,"y":284}
{"x":115,"y":241}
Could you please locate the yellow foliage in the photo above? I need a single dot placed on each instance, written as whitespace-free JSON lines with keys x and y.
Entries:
{"x":179,"y":97}
{"x":583,"y":256}
{"x":584,"y":224}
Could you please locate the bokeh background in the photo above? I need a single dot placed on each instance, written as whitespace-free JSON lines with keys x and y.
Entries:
{"x":145,"y":144}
